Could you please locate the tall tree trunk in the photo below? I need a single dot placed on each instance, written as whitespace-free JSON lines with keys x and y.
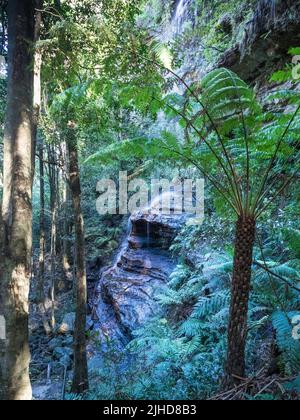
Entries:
{"x":241,"y":285}
{"x":36,"y":116}
{"x":40,"y":287}
{"x":36,"y":76}
{"x":53,"y":207}
{"x":80,"y":380}
{"x":67,"y":229}
{"x":53,"y":265}
{"x":15,"y":261}
{"x":67,"y":221}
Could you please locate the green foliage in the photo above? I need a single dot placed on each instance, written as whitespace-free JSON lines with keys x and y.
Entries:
{"x":226,"y":96}
{"x":212,"y":305}
{"x":282,"y":76}
{"x":293,"y":238}
{"x":288,"y":346}
{"x":294,"y":385}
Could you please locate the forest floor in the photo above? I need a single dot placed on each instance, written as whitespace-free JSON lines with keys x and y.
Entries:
{"x":52,"y":352}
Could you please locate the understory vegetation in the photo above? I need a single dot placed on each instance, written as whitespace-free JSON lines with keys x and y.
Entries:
{"x":183,"y":352}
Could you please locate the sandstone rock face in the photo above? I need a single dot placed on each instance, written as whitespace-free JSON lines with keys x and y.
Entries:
{"x":125,"y":294}
{"x":274,"y":28}
{"x":154,"y":230}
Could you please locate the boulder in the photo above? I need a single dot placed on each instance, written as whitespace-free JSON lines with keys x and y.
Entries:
{"x":68,"y":324}
{"x":60,"y":352}
{"x":68,"y":341}
{"x":55,"y":342}
{"x":89,"y":323}
{"x":66,"y":361}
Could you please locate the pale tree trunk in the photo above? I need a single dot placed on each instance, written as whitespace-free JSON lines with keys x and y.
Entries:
{"x":15,"y":259}
{"x":241,"y":285}
{"x":36,"y":115}
{"x":36,"y":76}
{"x":40,"y":287}
{"x":80,"y":380}
{"x":67,"y":224}
{"x":53,"y":206}
{"x":42,"y":254}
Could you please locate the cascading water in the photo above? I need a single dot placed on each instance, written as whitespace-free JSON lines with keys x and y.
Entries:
{"x":180,"y":16}
{"x":184,"y":18}
{"x":183,"y":13}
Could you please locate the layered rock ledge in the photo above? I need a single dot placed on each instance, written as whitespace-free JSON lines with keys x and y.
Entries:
{"x":125,"y":294}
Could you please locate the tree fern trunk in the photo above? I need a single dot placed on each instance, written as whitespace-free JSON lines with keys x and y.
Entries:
{"x":241,"y":283}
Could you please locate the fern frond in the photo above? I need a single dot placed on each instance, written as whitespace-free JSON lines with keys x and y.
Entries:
{"x":226,"y":95}
{"x":190,"y":328}
{"x":209,"y":306}
{"x":289,"y":347}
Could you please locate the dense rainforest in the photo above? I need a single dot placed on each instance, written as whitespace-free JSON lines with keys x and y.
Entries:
{"x":149,"y":187}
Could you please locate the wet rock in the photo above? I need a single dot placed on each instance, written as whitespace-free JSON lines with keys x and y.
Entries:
{"x":60,"y":352}
{"x":112,"y":245}
{"x":54,"y":343}
{"x":274,"y":28}
{"x":154,"y":230}
{"x":68,"y":323}
{"x":125,"y":294}
{"x":68,"y":341}
{"x":93,"y":268}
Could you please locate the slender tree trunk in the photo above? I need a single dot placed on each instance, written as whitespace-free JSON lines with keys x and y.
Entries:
{"x":80,"y":380}
{"x":36,"y":116}
{"x":36,"y":77}
{"x":53,"y":265}
{"x":66,"y":247}
{"x":40,"y":291}
{"x":53,"y":207}
{"x":15,"y":259}
{"x":42,"y":253}
{"x":241,"y":285}
{"x":67,"y":223}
